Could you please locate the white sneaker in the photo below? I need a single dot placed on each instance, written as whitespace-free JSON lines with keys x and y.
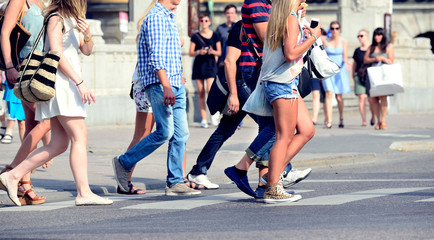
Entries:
{"x":202,"y":179}
{"x":295,"y":176}
{"x":204,"y":124}
{"x":215,"y":119}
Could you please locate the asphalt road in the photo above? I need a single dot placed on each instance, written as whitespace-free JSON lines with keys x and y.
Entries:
{"x":391,"y":197}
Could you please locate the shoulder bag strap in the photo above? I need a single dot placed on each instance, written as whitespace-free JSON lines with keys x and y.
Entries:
{"x":249,"y":42}
{"x":200,"y":39}
{"x":21,"y":15}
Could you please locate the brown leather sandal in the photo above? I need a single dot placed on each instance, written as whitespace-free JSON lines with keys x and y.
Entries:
{"x":25,"y":198}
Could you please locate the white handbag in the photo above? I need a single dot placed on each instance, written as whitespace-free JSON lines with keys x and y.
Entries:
{"x":322,"y":66}
{"x":257,"y":103}
{"x":385,"y":79}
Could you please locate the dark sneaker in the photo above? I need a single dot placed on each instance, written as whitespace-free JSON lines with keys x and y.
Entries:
{"x":242,"y":183}
{"x":180,"y":189}
{"x":260,"y":193}
{"x":277,"y":194}
{"x":121,"y":174}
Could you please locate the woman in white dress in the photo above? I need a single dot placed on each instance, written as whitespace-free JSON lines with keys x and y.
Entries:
{"x":67,"y":32}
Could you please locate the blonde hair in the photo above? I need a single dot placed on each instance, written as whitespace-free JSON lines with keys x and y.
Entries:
{"x":142,"y":18}
{"x":365,"y":31}
{"x":67,"y":8}
{"x":152,"y":5}
{"x":278,"y":23}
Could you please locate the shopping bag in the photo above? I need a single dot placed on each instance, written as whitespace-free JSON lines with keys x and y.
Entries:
{"x":385,"y":79}
{"x":257,"y":102}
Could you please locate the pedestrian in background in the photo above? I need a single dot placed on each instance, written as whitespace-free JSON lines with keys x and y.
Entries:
{"x":222,"y":32}
{"x":337,"y":50}
{"x":380,"y":52}
{"x":359,"y":75}
{"x":159,"y":67}
{"x":67,"y":32}
{"x":205,"y":46}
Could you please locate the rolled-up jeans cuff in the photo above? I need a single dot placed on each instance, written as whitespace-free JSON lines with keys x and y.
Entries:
{"x":257,"y":159}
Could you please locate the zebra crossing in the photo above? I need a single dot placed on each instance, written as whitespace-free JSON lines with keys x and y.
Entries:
{"x":202,"y":201}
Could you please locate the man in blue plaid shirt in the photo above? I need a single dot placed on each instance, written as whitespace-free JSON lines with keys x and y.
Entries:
{"x":160,"y":69}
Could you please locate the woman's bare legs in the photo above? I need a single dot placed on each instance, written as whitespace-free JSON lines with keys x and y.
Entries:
{"x":34,"y":132}
{"x":285,"y":118}
{"x":144,"y":124}
{"x":21,"y":129}
{"x":315,"y":105}
{"x":383,"y":107}
{"x":376,"y":108}
{"x":305,"y":132}
{"x":328,"y":109}
{"x":201,"y":93}
{"x":362,"y":108}
{"x":340,"y":101}
{"x":59,"y":144}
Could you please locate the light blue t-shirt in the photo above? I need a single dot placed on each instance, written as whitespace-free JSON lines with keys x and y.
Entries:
{"x":33,"y":22}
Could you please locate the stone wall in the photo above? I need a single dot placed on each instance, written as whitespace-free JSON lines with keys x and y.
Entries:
{"x":416,"y":60}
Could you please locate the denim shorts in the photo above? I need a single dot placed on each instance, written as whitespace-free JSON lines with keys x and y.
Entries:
{"x":275,"y":90}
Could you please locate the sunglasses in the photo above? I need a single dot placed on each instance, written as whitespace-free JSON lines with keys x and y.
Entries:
{"x":335,"y":28}
{"x":204,"y":20}
{"x":360,"y":36}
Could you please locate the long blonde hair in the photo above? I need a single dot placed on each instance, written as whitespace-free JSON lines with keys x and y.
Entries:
{"x":139,"y":23}
{"x":278,"y":23}
{"x":67,"y":8}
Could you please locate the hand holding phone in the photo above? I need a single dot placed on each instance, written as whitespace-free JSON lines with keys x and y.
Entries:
{"x":314,"y":22}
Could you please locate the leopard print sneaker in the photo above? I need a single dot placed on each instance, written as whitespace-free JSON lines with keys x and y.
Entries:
{"x":276,"y":194}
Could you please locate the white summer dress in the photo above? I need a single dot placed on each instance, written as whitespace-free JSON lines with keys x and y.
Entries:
{"x":67,"y":101}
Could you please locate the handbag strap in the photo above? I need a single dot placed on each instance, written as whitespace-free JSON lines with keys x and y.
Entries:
{"x":200,"y":39}
{"x":249,"y":42}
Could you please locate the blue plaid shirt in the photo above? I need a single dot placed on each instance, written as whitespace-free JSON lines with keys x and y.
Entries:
{"x":159,"y":47}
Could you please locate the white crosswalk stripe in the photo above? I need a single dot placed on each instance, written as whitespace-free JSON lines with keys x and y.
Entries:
{"x":65,"y":204}
{"x":188,"y":203}
{"x":350,"y":197}
{"x":426,"y":200}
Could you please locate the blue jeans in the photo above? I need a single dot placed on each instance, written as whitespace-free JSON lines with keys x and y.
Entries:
{"x":227,"y":127}
{"x":259,"y":149}
{"x":171,"y":124}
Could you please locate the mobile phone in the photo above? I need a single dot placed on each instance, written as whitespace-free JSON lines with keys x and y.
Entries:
{"x":206,"y":48}
{"x":314,"y":22}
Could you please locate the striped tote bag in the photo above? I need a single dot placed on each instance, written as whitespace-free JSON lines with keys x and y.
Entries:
{"x":37,"y":73}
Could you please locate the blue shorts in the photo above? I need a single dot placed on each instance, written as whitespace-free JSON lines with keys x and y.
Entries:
{"x":275,"y":90}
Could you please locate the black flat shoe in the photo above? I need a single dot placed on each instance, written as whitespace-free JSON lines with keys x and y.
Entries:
{"x":341,"y":123}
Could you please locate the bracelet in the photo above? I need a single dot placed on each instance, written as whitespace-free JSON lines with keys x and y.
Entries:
{"x":86,"y":41}
{"x":78,"y":84}
{"x":316,"y":39}
{"x":9,"y":68}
